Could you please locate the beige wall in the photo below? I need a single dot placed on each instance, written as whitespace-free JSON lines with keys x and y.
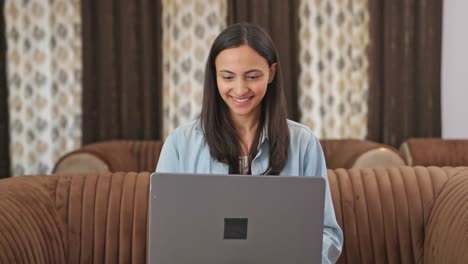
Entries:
{"x":455,"y":69}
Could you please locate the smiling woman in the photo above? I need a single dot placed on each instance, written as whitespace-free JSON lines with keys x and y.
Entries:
{"x":243,"y":127}
{"x":243,"y":99}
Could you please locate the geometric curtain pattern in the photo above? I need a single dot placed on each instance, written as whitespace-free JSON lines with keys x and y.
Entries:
{"x":44,"y":82}
{"x":189,"y":29}
{"x":333,"y":80}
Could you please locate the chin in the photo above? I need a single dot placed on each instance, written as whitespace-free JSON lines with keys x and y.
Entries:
{"x":242,"y":113}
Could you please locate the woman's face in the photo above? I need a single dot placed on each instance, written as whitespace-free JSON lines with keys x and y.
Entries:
{"x":242,"y":76}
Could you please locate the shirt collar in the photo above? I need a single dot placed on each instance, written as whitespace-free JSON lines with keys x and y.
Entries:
{"x":264,"y":136}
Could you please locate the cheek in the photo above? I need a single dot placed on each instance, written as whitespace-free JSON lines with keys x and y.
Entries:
{"x":221,"y":87}
{"x":260,"y":87}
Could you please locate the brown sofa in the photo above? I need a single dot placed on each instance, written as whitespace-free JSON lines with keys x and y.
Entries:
{"x":112,"y":156}
{"x":359,"y":154}
{"x":435,"y":152}
{"x":393,"y":215}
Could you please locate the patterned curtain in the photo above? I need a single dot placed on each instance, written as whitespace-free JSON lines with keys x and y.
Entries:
{"x":333,"y":81}
{"x":325,"y":52}
{"x":44,"y":82}
{"x":189,"y":28}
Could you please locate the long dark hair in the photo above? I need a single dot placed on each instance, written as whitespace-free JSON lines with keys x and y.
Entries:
{"x":218,"y":129}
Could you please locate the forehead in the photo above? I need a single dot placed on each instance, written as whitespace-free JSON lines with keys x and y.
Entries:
{"x":239,"y":59}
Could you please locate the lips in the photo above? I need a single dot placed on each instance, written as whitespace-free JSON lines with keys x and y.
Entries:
{"x":241,"y":100}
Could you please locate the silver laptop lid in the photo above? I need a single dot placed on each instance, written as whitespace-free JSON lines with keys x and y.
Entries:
{"x":235,"y":219}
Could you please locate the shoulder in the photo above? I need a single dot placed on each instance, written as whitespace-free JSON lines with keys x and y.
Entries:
{"x":189,"y":129}
{"x":305,"y":147}
{"x":300,"y":131}
{"x":298,"y":127}
{"x":302,"y":139}
{"x":186,"y":132}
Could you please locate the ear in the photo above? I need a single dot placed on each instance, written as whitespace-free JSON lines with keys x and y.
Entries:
{"x":272,"y":72}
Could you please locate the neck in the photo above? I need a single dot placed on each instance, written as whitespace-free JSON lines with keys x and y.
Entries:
{"x":246,"y":129}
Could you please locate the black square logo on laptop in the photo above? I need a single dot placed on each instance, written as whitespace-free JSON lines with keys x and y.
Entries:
{"x":235,"y":228}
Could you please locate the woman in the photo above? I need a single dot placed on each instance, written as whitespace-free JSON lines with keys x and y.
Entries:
{"x":243,"y":127}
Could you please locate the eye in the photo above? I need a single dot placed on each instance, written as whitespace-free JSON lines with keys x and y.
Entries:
{"x":227,"y":78}
{"x":253,"y":77}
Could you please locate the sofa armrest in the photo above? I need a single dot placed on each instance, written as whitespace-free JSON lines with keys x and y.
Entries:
{"x":81,"y":161}
{"x":435,"y":152}
{"x":108,"y":156}
{"x":112,"y":156}
{"x":352,"y":153}
{"x":29,"y":230}
{"x":447,"y":228}
{"x":379,"y":157}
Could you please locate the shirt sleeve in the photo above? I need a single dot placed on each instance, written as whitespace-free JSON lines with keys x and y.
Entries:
{"x":332,"y":235}
{"x":169,"y":156}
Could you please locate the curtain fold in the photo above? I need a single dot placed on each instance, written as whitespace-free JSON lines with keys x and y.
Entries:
{"x":122,"y":70}
{"x":4,"y":120}
{"x":280,"y":19}
{"x":405,"y":64}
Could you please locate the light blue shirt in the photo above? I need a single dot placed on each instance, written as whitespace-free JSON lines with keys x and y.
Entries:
{"x":186,"y":151}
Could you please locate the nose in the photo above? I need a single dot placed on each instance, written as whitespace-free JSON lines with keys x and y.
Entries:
{"x":240,"y":88}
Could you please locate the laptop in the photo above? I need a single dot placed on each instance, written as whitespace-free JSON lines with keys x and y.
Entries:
{"x":203,"y":219}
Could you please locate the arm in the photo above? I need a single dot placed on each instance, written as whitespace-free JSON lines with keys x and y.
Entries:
{"x":332,"y":235}
{"x":169,"y":157}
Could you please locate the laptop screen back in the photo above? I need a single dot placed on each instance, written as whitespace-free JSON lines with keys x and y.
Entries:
{"x":235,"y":219}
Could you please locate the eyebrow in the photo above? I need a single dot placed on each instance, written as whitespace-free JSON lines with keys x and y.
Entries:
{"x":247,"y":72}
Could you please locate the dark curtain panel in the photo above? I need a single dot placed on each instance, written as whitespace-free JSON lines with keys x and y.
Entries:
{"x":404,"y":63}
{"x":121,"y":70}
{"x":4,"y":131}
{"x":280,"y":19}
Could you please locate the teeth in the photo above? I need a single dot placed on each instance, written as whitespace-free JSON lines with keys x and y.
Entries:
{"x":241,"y":100}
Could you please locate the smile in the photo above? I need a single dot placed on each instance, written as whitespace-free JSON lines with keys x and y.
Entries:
{"x":241,"y":100}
